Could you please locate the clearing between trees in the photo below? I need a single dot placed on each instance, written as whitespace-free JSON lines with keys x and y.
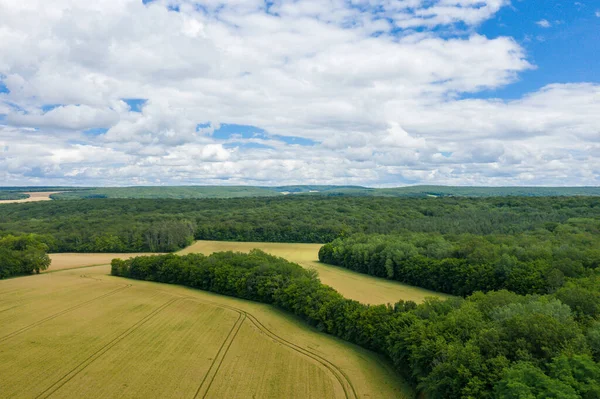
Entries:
{"x":352,"y":285}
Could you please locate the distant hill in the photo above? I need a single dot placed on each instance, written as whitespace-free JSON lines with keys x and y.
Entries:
{"x":176,"y":192}
{"x":455,"y":191}
{"x":190,"y":192}
{"x":441,"y":191}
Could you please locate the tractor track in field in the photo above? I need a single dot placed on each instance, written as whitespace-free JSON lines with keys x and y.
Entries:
{"x":342,"y":378}
{"x":94,"y":356}
{"x":220,"y":356}
{"x":62,"y":312}
{"x":338,"y":373}
{"x":23,"y":302}
{"x":10,"y":291}
{"x":7,"y":309}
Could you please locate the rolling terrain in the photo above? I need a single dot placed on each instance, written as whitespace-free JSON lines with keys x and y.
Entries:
{"x":82,"y":333}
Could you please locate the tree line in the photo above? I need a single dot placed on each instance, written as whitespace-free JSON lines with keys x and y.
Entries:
{"x":20,"y":255}
{"x":12,"y":196}
{"x":489,"y":345}
{"x":530,"y":262}
{"x":133,"y":225}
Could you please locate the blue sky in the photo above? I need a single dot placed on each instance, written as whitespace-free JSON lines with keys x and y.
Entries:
{"x":454,"y":92}
{"x":568,"y":50}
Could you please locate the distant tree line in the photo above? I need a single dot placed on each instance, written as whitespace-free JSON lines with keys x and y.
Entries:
{"x":25,"y":254}
{"x":531,"y":262}
{"x":494,"y":345}
{"x":12,"y":196}
{"x":133,"y":225}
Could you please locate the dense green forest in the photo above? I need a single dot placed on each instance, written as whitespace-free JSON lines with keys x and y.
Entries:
{"x":116,"y":225}
{"x":179,"y":192}
{"x":21,"y":255}
{"x":494,"y":345}
{"x":529,"y":262}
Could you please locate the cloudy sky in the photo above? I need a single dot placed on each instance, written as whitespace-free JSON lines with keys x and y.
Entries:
{"x":369,"y":92}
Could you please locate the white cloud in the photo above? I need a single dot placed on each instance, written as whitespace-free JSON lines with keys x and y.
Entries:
{"x":544,"y":23}
{"x":598,"y":13}
{"x":76,"y":117}
{"x":383,"y":109}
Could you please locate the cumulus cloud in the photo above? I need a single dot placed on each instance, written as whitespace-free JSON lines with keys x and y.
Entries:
{"x":75,"y":117}
{"x":544,"y":23}
{"x":373,"y":91}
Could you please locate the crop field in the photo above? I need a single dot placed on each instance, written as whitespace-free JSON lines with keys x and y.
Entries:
{"x":33,"y":197}
{"x":361,"y":287}
{"x":76,"y":260}
{"x":82,"y":333}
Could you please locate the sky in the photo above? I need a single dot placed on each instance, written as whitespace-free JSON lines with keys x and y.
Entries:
{"x":377,"y":93}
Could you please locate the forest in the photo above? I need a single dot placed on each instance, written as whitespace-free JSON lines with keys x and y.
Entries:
{"x":12,"y":196}
{"x":489,"y":345}
{"x":530,"y":262}
{"x":134,"y":225}
{"x":24,"y":254}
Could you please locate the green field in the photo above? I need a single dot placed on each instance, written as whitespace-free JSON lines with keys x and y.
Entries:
{"x":81,"y":333}
{"x":352,"y":285}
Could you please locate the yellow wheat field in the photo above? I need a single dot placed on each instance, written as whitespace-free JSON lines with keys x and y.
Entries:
{"x":82,"y":333}
{"x":33,"y":197}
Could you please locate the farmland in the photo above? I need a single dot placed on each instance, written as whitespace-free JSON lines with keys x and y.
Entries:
{"x":521,"y":314}
{"x":81,"y":333}
{"x":32,"y":197}
{"x":73,"y":261}
{"x":352,"y":285}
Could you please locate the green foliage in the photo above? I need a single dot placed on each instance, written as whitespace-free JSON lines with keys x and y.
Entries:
{"x":23,"y":254}
{"x":12,"y":196}
{"x":529,"y":262}
{"x":76,"y":225}
{"x":578,"y":371}
{"x":583,"y":296}
{"x":525,"y":381}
